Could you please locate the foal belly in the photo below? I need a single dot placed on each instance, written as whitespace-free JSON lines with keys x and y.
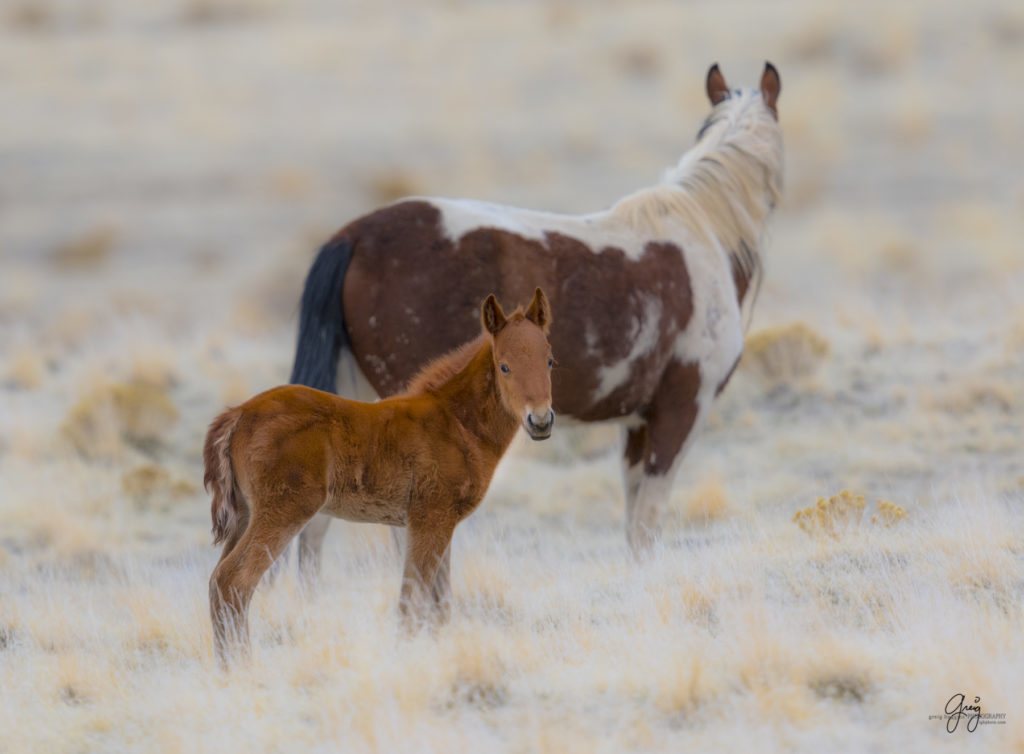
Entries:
{"x":366,"y":508}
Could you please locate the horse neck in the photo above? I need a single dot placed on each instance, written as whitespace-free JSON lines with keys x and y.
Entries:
{"x":731,"y":181}
{"x":471,"y":395}
{"x":726,"y":188}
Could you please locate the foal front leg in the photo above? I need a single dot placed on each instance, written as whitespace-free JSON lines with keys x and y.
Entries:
{"x":425,"y":580}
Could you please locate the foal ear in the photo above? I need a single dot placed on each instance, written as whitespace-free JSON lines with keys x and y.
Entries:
{"x":770,"y":87}
{"x":491,"y":315}
{"x":539,"y":311}
{"x":718,"y":90}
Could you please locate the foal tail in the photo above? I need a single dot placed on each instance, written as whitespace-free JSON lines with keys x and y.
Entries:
{"x":322,"y":332}
{"x":219,"y":475}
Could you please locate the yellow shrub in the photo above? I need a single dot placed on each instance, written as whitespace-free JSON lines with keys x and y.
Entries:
{"x":844,"y":512}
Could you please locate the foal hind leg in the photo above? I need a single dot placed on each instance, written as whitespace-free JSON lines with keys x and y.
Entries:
{"x":239,"y":571}
{"x":653,"y":451}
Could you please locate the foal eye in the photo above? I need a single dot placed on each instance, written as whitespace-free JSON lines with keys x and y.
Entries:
{"x":551,"y":363}
{"x":505,"y":369}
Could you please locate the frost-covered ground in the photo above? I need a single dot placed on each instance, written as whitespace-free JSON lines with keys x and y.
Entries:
{"x":166,"y":173}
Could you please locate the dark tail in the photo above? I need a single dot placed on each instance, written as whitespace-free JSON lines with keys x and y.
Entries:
{"x":220,"y":476}
{"x":322,"y":332}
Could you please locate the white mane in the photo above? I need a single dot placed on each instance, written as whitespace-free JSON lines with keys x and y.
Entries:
{"x":725,"y":187}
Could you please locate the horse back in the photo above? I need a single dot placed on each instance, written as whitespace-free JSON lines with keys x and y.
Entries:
{"x":621,"y":307}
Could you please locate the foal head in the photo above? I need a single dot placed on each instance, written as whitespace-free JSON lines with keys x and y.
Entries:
{"x":522,"y":361}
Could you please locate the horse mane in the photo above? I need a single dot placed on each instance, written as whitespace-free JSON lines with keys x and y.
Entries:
{"x":724,"y":187}
{"x":441,"y":370}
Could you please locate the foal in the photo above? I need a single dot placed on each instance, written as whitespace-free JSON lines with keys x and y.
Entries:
{"x":422,"y":459}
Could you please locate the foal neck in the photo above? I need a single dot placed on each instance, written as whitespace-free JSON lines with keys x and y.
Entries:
{"x":471,"y":394}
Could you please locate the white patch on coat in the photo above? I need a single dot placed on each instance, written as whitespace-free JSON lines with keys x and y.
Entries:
{"x":352,"y":383}
{"x":645,"y":339}
{"x":597,"y":231}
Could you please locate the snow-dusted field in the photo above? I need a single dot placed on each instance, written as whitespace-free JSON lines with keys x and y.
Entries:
{"x":166,"y":174}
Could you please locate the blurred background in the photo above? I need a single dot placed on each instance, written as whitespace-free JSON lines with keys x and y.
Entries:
{"x":167,"y":171}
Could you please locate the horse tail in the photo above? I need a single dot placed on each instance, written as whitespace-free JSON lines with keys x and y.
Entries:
{"x":219,"y":475}
{"x":322,"y":332}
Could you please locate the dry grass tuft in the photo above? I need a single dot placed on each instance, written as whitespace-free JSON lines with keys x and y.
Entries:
{"x":206,"y":12}
{"x":639,"y":60}
{"x":707,"y":503}
{"x":390,"y":186}
{"x":888,"y":513}
{"x":843,"y":513}
{"x":152,"y":487}
{"x":843,"y":687}
{"x":26,"y":369}
{"x":293,"y":184}
{"x":832,"y":516}
{"x":29,"y":15}
{"x":971,"y":395}
{"x":87,"y":252}
{"x":784,"y":353}
{"x":113,"y":415}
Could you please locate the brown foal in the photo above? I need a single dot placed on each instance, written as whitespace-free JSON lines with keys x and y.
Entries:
{"x":422,"y":459}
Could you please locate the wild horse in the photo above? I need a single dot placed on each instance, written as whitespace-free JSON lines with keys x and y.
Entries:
{"x":422,"y":460}
{"x":652,"y":295}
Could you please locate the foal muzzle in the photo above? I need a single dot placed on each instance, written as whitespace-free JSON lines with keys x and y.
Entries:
{"x":540,"y":430}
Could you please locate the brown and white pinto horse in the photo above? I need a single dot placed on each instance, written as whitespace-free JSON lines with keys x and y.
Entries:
{"x":651,"y":295}
{"x":422,"y":460}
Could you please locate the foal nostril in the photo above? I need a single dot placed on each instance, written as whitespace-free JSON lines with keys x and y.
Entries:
{"x":543,"y":424}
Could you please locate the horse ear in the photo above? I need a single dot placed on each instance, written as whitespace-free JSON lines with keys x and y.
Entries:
{"x":491,"y":315}
{"x":718,"y":90}
{"x":539,"y":311}
{"x":770,"y":87}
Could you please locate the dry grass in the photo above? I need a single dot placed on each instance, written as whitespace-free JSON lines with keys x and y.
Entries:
{"x":158,"y":247}
{"x":113,"y":416}
{"x":786,"y":353}
{"x":86,"y":252}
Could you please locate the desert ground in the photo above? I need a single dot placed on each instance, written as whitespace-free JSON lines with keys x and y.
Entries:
{"x":167,"y":172}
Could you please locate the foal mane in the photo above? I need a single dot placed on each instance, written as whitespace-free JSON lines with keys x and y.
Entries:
{"x":441,"y":370}
{"x":724,"y":187}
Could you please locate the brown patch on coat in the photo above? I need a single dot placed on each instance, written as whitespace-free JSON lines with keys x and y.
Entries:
{"x":671,"y":416}
{"x":599,"y":299}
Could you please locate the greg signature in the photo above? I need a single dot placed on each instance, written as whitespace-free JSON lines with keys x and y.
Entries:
{"x":955,"y":709}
